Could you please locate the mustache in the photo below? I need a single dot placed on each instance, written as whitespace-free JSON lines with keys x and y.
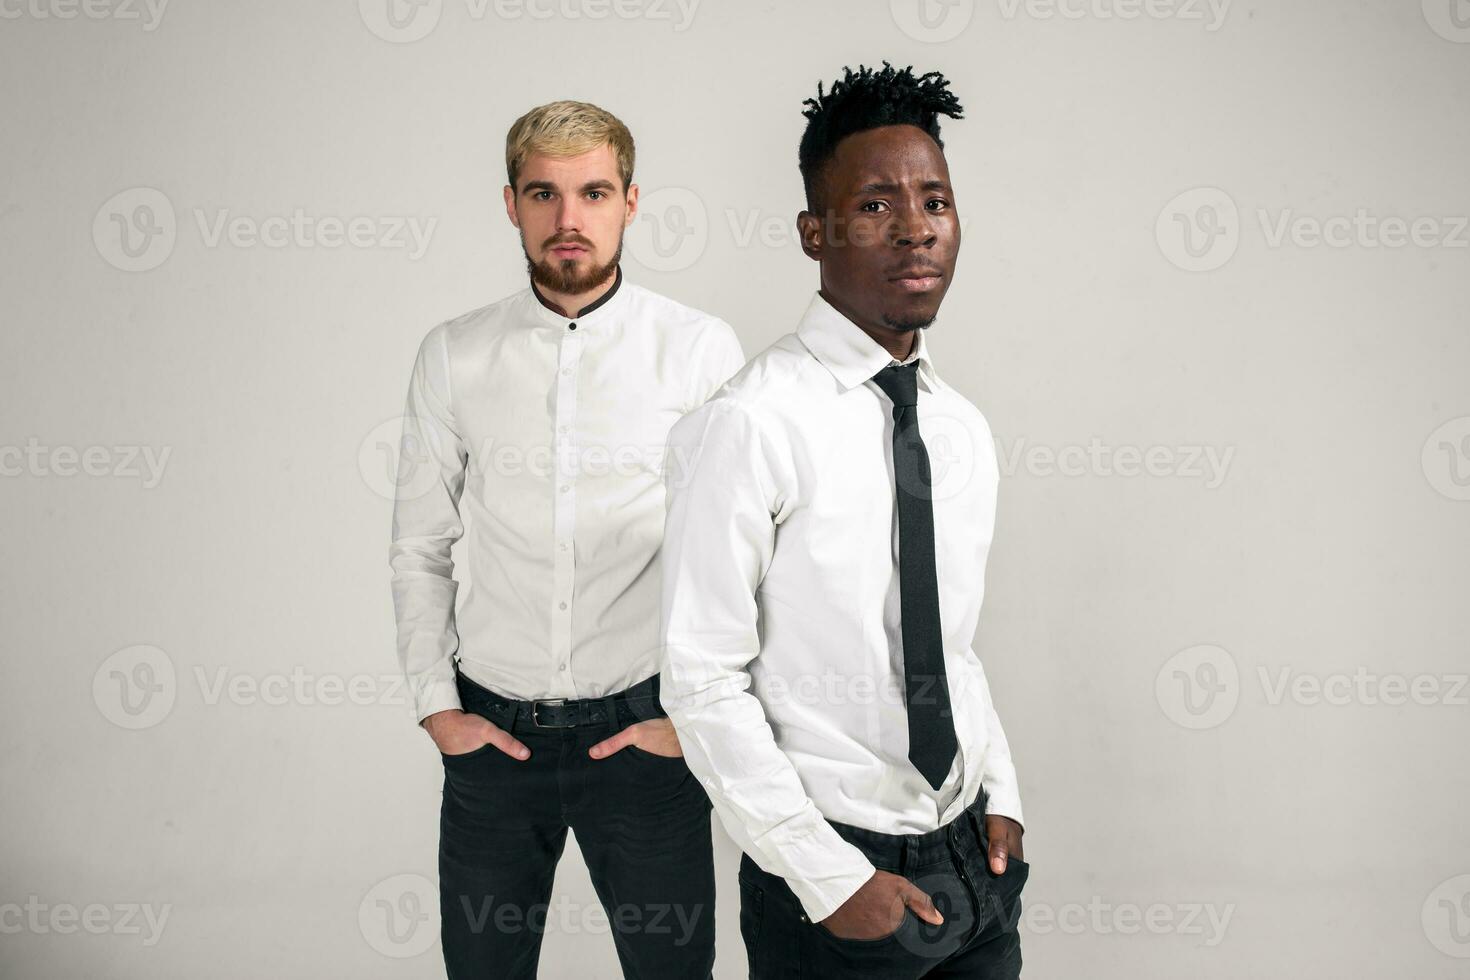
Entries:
{"x":556,"y":240}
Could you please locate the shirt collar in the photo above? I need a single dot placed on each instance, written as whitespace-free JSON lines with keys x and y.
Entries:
{"x":598,"y":310}
{"x":850,"y":354}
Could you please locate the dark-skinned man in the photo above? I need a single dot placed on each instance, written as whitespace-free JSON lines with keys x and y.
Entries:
{"x":822,"y":585}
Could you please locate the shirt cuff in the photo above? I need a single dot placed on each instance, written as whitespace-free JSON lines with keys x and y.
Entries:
{"x":1004,"y":801}
{"x":434,"y":696}
{"x":844,"y":869}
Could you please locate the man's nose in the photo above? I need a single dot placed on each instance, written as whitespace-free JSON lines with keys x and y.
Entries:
{"x":569,"y":217}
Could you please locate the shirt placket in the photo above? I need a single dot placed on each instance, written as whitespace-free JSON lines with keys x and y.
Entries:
{"x":564,"y":513}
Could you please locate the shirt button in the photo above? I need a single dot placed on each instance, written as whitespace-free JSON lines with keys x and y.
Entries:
{"x":564,"y":488}
{"x":561,"y":605}
{"x":563,"y":546}
{"x":571,"y":326}
{"x":566,"y":371}
{"x":562,"y":667}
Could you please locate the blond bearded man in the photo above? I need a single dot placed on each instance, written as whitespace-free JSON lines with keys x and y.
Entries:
{"x":545,"y":416}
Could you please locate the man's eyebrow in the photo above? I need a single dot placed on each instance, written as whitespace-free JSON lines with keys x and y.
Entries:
{"x":601,"y":184}
{"x":888,"y":187}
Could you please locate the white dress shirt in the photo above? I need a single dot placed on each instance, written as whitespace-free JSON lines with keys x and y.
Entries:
{"x":783,"y":652}
{"x":548,"y":432}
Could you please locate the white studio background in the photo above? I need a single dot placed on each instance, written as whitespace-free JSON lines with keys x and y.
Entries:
{"x":1212,"y":298}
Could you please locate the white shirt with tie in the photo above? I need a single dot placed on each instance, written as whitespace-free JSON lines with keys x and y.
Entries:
{"x":548,"y":434}
{"x":783,"y":647}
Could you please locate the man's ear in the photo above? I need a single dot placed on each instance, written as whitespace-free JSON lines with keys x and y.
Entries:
{"x":632,"y":211}
{"x":510,"y":206}
{"x":809,"y":228}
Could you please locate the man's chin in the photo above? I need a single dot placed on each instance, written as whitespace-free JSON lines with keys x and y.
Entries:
{"x":912,"y":317}
{"x":571,"y":276}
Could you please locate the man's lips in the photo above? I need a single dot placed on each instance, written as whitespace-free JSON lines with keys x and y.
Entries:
{"x":568,"y":251}
{"x":917,"y":280}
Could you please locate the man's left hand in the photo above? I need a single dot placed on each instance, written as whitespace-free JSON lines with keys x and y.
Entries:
{"x":655,"y":736}
{"x":1005,"y":840}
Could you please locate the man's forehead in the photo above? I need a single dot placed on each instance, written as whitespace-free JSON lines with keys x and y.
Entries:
{"x":599,"y":162}
{"x":892,"y":154}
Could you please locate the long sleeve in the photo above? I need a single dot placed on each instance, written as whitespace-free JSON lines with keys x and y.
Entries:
{"x":426,"y":524}
{"x":719,"y":358}
{"x":719,"y":540}
{"x":997,"y":770}
{"x":729,"y":356}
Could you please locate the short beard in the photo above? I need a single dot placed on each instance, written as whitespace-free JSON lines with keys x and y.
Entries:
{"x":904,"y":326}
{"x":561,"y":276}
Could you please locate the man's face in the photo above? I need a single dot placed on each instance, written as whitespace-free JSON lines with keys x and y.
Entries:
{"x":571,"y":212}
{"x":890,"y":233}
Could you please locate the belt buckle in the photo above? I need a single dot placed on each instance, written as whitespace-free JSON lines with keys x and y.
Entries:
{"x":550,"y":702}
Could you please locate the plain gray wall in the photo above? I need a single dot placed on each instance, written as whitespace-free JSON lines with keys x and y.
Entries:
{"x":1226,"y":624}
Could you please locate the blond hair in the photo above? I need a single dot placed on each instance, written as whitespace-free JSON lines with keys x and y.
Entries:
{"x":567,"y":129}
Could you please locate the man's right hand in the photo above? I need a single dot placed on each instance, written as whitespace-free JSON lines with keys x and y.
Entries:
{"x":457,"y":732}
{"x":876,"y":910}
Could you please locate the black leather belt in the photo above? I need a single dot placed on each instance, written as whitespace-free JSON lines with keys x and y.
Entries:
{"x":618,"y":711}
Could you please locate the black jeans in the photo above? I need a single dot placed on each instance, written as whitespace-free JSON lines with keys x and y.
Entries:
{"x":978,"y":938}
{"x":641,"y":820}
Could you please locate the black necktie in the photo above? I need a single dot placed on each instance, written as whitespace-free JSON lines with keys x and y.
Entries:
{"x":932,"y":743}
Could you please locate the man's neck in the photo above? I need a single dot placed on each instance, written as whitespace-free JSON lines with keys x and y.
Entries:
{"x":898,"y":343}
{"x":572,"y":304}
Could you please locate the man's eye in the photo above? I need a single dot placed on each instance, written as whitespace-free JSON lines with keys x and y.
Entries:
{"x":937,"y":204}
{"x":873,"y":207}
{"x":542,"y":195}
{"x":595,"y":195}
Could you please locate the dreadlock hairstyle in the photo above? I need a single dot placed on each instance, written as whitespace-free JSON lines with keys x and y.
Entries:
{"x":867,"y":99}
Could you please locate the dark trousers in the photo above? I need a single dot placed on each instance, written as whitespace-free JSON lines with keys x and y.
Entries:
{"x":978,"y":938}
{"x":641,"y":820}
